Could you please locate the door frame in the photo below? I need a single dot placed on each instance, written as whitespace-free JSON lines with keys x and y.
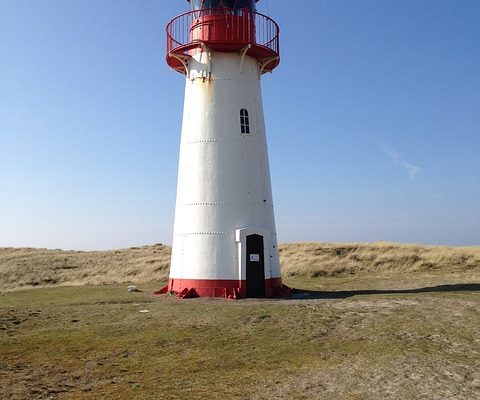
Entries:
{"x":241,"y":240}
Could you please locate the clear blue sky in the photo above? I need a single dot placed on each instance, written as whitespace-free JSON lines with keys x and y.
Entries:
{"x":373,"y":122}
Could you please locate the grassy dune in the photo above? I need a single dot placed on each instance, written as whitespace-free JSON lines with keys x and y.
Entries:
{"x":24,"y":267}
{"x":318,"y":259}
{"x":375,"y":321}
{"x":27,"y":267}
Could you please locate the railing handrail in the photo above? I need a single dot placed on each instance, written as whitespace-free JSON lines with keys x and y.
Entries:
{"x":265,"y":34}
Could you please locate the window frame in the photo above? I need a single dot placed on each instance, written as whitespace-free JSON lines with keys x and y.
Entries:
{"x":244,"y":121}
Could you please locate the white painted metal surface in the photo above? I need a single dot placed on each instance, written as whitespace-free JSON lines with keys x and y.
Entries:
{"x":223,"y":190}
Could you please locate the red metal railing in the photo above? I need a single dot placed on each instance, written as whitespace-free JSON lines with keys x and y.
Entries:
{"x":224,"y":30}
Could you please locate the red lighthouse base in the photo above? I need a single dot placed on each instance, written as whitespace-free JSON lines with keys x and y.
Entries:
{"x":228,"y":289}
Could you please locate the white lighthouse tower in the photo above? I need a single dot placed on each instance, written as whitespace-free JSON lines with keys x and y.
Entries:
{"x":224,"y":242}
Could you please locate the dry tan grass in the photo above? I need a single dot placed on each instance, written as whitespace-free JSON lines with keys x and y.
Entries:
{"x":334,"y":259}
{"x":26,"y":267}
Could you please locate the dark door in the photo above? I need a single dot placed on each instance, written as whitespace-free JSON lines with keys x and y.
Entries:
{"x":255,"y":266}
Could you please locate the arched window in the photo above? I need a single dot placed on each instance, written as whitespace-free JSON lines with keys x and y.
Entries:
{"x":244,"y":122}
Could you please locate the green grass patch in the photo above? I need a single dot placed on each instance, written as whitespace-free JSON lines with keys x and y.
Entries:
{"x":94,"y":342}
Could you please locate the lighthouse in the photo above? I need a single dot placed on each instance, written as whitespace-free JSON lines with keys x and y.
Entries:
{"x":224,"y":236}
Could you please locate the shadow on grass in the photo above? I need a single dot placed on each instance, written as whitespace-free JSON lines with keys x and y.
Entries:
{"x":300,"y":294}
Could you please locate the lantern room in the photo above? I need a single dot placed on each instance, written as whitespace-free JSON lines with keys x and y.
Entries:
{"x":236,"y":5}
{"x":224,"y":26}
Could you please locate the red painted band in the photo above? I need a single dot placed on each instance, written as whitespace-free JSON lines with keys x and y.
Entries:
{"x":221,"y":287}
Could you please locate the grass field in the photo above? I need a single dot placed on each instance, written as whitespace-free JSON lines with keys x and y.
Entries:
{"x":407,"y":331}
